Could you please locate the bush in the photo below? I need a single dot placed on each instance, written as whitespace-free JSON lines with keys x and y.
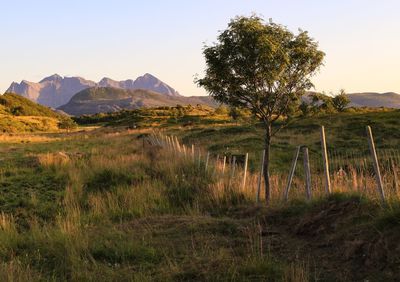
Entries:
{"x":67,"y":124}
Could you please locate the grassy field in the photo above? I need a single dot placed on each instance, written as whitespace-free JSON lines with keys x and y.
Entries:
{"x":347,"y":141}
{"x":97,"y":206}
{"x":104,"y":204}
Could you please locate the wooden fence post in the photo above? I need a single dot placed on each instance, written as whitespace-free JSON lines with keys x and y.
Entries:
{"x":216,"y":167}
{"x":395,"y":179}
{"x":307,"y":172}
{"x":376,"y":164}
{"x":233,"y":166}
{"x":207,"y":159}
{"x":325,"y":162}
{"x":291,"y":173}
{"x":172,"y":144}
{"x":246,"y":159}
{"x":193,"y":152}
{"x":199,"y":158}
{"x":260,"y":177}
{"x":178,"y":146}
{"x":223,"y":165}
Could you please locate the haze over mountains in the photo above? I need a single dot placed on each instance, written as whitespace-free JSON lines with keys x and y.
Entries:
{"x":111,"y":99}
{"x":55,"y":91}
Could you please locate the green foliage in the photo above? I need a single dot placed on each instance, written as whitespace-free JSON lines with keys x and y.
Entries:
{"x":321,"y":104}
{"x":221,"y":110}
{"x":67,"y":124}
{"x":18,"y":114}
{"x":305,"y":108}
{"x":260,"y":66}
{"x":148,"y":117}
{"x":108,"y":179}
{"x":341,"y":101}
{"x":20,"y":106}
{"x":237,"y":113}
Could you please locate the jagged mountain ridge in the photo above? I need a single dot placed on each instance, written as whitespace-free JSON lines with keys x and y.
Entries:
{"x":55,"y":91}
{"x":107,"y":99}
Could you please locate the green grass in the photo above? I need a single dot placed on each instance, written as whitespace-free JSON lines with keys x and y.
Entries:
{"x":102,"y":205}
{"x":101,"y":209}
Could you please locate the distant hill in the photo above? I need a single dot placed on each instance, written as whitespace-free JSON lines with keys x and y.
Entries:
{"x":14,"y":104}
{"x":371,"y":99}
{"x":19,"y":114}
{"x":368,"y":99}
{"x":108,"y":99}
{"x":55,"y":90}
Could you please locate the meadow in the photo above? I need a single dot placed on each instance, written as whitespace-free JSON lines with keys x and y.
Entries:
{"x":105,"y":204}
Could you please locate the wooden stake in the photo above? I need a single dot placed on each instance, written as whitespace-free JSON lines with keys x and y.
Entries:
{"x":260,"y":177}
{"x":376,"y":164}
{"x":223,"y":165}
{"x":307,"y":172}
{"x":291,"y":173}
{"x":233,"y":165}
{"x":207,"y":159}
{"x":216,"y":167}
{"x":245,"y":170}
{"x":193,"y":151}
{"x":172,"y":143}
{"x":395,"y":179}
{"x":325,"y":162}
{"x":199,"y":158}
{"x":178,"y":146}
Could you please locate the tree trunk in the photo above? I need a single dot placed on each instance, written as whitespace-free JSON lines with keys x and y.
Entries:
{"x":266,"y":164}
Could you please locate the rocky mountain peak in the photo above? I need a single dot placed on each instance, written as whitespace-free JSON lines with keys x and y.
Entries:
{"x":51,"y":78}
{"x":55,"y":90}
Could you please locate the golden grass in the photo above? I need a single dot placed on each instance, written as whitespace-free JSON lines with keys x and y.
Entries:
{"x":16,"y":271}
{"x":26,"y":138}
{"x":7,"y":223}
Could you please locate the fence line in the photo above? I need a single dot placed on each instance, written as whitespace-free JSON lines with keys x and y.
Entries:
{"x":338,"y":171}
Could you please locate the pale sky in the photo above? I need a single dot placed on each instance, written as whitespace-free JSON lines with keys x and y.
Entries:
{"x":124,"y":39}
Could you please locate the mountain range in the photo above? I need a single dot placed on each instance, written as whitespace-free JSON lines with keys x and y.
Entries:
{"x":55,"y":91}
{"x":145,"y":91}
{"x":110,"y":99}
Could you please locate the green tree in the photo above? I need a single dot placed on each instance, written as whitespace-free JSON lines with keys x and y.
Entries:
{"x":236,"y":113}
{"x":221,"y":110}
{"x":320,"y":102}
{"x":305,"y":108}
{"x":67,"y":124}
{"x":341,"y":101}
{"x":17,"y":111}
{"x":263,"y":67}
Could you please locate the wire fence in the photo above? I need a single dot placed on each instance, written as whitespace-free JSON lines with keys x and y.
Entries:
{"x":349,"y":171}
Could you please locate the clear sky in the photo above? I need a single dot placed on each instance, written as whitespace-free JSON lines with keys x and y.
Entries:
{"x":124,"y":39}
